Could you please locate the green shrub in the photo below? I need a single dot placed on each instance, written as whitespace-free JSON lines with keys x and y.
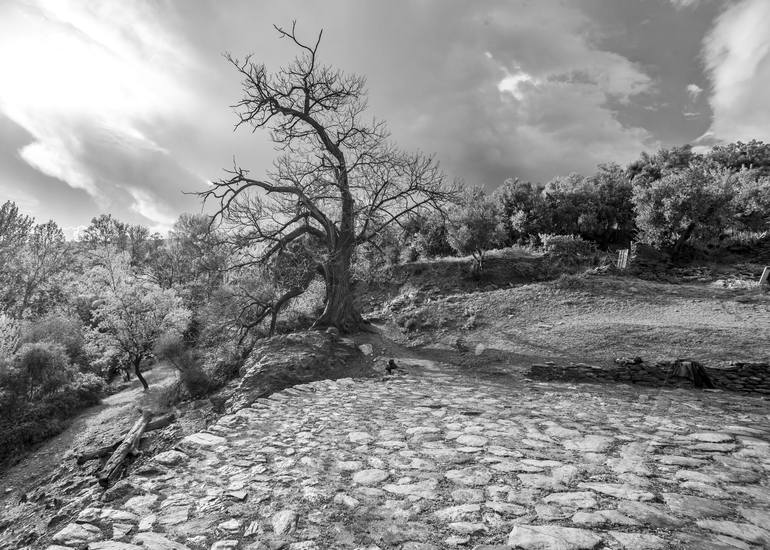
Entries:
{"x":30,"y":422}
{"x":59,"y":329}
{"x":41,"y":369}
{"x":171,"y":347}
{"x":567,"y":246}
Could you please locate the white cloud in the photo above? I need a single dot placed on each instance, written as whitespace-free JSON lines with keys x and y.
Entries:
{"x":147,"y":205}
{"x":694,"y":91}
{"x":737,"y":56}
{"x":515,"y":83}
{"x":88,"y":77}
{"x":681,"y":4}
{"x":554,"y":111}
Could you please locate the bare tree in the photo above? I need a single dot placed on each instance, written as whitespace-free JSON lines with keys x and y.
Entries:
{"x":339,"y":179}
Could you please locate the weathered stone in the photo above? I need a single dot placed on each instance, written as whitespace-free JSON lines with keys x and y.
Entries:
{"x":112,"y":545}
{"x":743,"y":531}
{"x":602,"y":517}
{"x":583,"y":499}
{"x":618,"y":491}
{"x":695,"y":507}
{"x":154,"y":541}
{"x":589,"y":444}
{"x":227,"y":544}
{"x":638,"y":541}
{"x":470,"y":476}
{"x":170,"y":458}
{"x":203,"y":439}
{"x":284,"y":522}
{"x":370,"y":477}
{"x":472,"y":440}
{"x":467,"y":527}
{"x":552,"y":537}
{"x":458,"y":513}
{"x":711,"y":437}
{"x":468,"y":495}
{"x":78,"y":533}
{"x":756,"y":516}
{"x":648,"y":514}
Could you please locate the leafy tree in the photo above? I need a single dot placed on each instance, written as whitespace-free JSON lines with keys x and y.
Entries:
{"x":475,"y":225}
{"x":681,"y":204}
{"x":14,"y":231}
{"x":615,"y":215}
{"x":33,"y":257}
{"x":339,"y":179}
{"x":751,"y":202}
{"x":105,"y":230}
{"x":519,"y":201}
{"x":193,"y":258}
{"x":131,"y":314}
{"x":754,"y":155}
{"x":650,"y":168}
{"x":42,"y":263}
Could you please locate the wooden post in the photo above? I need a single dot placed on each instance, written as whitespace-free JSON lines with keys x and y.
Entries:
{"x":623,"y":258}
{"x":764,"y":277}
{"x":113,"y":466}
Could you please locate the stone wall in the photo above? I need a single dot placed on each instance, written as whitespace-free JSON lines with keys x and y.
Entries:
{"x":741,"y":377}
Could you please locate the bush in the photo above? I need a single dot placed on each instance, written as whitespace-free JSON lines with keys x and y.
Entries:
{"x":567,"y":246}
{"x":39,"y":370}
{"x":59,"y":329}
{"x":30,"y":422}
{"x":171,"y":347}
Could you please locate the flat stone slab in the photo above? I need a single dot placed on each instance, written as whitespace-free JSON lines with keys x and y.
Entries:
{"x":204,"y":439}
{"x":552,"y":537}
{"x":696,"y":507}
{"x":618,"y":491}
{"x":743,"y":531}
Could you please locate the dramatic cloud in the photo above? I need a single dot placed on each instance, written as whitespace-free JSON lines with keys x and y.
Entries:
{"x":524,"y":102}
{"x":88,"y":81}
{"x":120,"y":106}
{"x":737,"y":57}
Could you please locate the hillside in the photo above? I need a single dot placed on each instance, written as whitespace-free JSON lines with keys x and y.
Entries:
{"x":460,"y":447}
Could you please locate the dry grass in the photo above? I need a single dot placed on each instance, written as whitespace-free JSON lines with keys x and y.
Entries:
{"x":596,"y":319}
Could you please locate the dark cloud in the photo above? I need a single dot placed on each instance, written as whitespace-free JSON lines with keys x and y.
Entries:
{"x":496,"y":88}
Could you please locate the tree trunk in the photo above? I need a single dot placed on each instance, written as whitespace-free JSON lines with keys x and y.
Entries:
{"x":340,"y":310}
{"x":682,"y":239}
{"x":279,"y":305}
{"x":137,"y":362}
{"x":114,"y":465}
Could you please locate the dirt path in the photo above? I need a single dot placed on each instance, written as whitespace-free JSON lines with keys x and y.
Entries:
{"x":98,"y":425}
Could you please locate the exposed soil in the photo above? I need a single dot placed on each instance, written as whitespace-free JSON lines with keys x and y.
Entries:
{"x":592,"y":319}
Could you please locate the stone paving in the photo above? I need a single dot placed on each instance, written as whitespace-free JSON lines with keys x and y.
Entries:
{"x":441,"y":461}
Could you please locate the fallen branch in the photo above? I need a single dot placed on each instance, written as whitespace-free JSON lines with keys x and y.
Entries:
{"x":107,"y":450}
{"x":97,"y":453}
{"x":161,"y":422}
{"x":114,"y":465}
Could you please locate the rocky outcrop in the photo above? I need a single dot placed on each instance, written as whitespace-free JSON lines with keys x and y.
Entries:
{"x":287,"y":360}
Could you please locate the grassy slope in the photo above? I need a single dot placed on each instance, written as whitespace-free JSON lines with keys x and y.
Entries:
{"x":595,"y":319}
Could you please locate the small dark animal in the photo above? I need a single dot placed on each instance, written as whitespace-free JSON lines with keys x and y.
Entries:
{"x":391,"y":367}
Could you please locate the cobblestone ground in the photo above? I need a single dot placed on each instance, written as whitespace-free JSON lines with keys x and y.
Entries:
{"x":440,"y":461}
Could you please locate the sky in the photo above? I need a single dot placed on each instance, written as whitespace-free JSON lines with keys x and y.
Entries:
{"x":108,"y":106}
